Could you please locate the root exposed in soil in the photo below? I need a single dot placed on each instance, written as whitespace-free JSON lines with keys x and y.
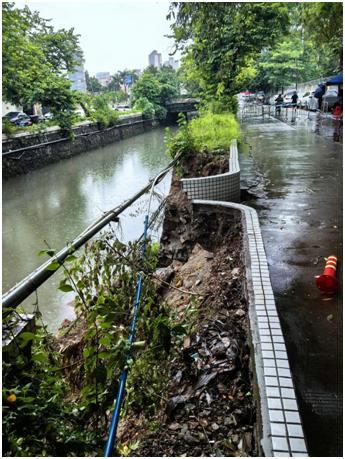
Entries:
{"x":208,"y":409}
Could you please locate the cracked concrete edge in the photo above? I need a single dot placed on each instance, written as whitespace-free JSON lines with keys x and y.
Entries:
{"x":282,"y":433}
{"x":222,"y":186}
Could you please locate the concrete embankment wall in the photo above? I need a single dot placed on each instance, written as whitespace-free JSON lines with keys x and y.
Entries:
{"x":25,"y":153}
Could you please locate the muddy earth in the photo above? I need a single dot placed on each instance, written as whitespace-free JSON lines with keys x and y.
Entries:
{"x":208,"y":409}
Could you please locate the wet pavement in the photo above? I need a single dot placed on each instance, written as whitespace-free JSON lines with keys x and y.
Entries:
{"x":299,"y":181}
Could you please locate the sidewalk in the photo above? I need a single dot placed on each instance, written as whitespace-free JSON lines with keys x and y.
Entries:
{"x":300,"y":212}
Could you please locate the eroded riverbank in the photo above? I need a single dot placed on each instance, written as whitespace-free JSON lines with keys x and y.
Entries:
{"x":207,"y":406}
{"x":57,"y":202}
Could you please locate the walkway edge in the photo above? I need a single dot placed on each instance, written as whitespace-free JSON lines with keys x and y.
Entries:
{"x":282,"y":433}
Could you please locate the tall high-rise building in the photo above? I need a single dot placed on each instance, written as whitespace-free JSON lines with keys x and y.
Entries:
{"x":78,"y":77}
{"x":172,"y":63}
{"x":104,"y":78}
{"x":155,"y":59}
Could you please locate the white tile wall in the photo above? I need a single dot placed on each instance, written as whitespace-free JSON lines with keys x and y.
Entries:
{"x":222,"y":187}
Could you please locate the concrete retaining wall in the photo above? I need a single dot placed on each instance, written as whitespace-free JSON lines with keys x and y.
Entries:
{"x":224,"y":187}
{"x":53,"y":146}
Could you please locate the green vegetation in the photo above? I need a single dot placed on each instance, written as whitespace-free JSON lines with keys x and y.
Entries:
{"x":323,"y":25}
{"x":116,"y":84}
{"x":56,"y":402}
{"x":219,"y":40}
{"x":103,"y":114}
{"x":232,"y":46}
{"x":8,"y":128}
{"x":93,"y":86}
{"x":35,"y":60}
{"x":154,"y":89}
{"x":211,"y":132}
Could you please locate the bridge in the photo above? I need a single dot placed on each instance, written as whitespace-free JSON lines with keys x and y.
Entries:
{"x":176,"y":106}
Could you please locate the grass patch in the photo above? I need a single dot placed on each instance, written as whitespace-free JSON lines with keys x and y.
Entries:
{"x":211,"y":131}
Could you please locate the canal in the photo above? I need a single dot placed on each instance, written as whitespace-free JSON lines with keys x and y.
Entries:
{"x":56,"y":203}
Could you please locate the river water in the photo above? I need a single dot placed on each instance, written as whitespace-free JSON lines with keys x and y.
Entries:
{"x":59,"y":201}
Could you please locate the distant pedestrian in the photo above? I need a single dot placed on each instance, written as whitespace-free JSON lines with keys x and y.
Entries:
{"x":279,"y":101}
{"x":294,"y":99}
{"x":319,"y":92}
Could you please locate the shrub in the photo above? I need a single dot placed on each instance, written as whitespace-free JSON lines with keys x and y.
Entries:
{"x":210,"y":132}
{"x":146,"y":107}
{"x":65,"y":119}
{"x":160,"y":112}
{"x":182,"y":141}
{"x":8,"y":128}
{"x":213,"y":131}
{"x":225,"y":104}
{"x":103,"y":114}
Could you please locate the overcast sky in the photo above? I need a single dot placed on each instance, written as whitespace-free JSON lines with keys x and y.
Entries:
{"x":114,"y":35}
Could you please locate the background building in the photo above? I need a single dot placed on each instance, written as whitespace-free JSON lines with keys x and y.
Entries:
{"x":155,"y":59}
{"x":172,"y":62}
{"x":78,"y":79}
{"x":103,"y":77}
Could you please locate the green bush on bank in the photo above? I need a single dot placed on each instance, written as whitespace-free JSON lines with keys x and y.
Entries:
{"x":103,"y":114}
{"x":9,"y":129}
{"x":211,"y":132}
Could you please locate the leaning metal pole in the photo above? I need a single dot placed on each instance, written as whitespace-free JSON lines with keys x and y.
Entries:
{"x":29,"y":284}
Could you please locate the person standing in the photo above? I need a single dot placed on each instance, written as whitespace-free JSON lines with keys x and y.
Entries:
{"x":319,"y":92}
{"x":279,"y":101}
{"x":294,"y":99}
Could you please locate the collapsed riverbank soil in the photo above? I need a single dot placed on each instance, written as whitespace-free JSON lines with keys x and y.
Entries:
{"x":208,"y":409}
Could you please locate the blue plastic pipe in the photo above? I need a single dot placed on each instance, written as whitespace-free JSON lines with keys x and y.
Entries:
{"x":109,"y":448}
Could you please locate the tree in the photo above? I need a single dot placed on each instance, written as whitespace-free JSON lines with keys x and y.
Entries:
{"x":92,"y":84}
{"x":290,"y":61}
{"x":323,"y":23}
{"x":308,"y":51}
{"x":36,"y":60}
{"x":154,"y":90}
{"x":220,"y":39}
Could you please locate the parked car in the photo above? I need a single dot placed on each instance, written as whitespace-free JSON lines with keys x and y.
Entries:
{"x":37,"y":118}
{"x":48,"y":116}
{"x":18,"y":118}
{"x":122,"y":108}
{"x":330,"y":98}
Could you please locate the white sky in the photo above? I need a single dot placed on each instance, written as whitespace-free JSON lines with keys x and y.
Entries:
{"x":114,"y":35}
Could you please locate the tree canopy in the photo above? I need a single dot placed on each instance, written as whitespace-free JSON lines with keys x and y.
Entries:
{"x":229,"y":47}
{"x":36,"y":60}
{"x":220,"y":39}
{"x":154,"y":89}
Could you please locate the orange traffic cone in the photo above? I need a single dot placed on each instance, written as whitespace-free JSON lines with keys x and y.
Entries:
{"x":327,"y":282}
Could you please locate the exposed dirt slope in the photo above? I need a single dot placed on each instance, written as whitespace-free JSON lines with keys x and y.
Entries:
{"x":208,"y":409}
